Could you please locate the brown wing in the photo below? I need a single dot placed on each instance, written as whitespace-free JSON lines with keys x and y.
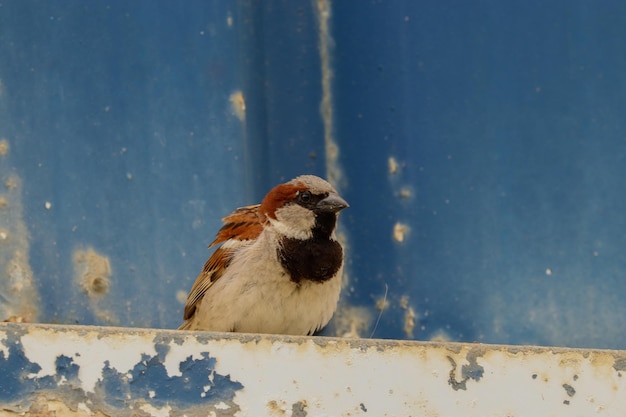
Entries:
{"x":245,"y":223}
{"x":240,"y":227}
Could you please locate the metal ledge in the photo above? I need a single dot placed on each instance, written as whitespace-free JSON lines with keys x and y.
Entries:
{"x":81,"y":370}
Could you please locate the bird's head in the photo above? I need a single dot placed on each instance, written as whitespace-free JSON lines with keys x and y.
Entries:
{"x":303,"y":208}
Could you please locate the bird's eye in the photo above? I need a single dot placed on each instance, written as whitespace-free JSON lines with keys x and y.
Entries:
{"x":304,"y":197}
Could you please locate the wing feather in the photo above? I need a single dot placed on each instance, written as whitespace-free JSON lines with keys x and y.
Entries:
{"x":240,"y":227}
{"x":243,"y":224}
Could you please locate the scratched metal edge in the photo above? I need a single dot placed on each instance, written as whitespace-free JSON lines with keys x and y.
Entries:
{"x":130,"y":371}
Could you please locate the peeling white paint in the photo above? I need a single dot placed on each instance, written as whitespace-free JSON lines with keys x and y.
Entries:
{"x":88,"y":349}
{"x":327,"y":376}
{"x":84,"y":408}
{"x":398,"y":379}
{"x":222,"y":406}
{"x":156,"y":412}
{"x":175,"y":356}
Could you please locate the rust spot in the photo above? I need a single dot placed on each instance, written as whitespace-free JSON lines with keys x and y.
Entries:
{"x":238,"y":105}
{"x":400,"y":232}
{"x":393,"y":165}
{"x":409,"y":316}
{"x":409,"y":322}
{"x":94,"y":272}
{"x":12,"y":183}
{"x":440,"y":336}
{"x":16,"y":319}
{"x":276,"y":409}
{"x":93,"y":275}
{"x":405,"y":192}
{"x":19,"y":287}
{"x":4,"y":147}
{"x":41,"y":410}
{"x":351,"y":321}
{"x":18,"y":295}
{"x":382,"y":303}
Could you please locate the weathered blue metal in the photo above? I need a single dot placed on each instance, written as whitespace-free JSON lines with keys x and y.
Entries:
{"x":481,"y":147}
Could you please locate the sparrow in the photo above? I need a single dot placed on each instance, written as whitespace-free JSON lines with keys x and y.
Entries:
{"x":278,"y":267}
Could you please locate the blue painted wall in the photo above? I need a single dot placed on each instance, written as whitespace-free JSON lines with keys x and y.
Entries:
{"x":505,"y":120}
{"x":118,"y":114}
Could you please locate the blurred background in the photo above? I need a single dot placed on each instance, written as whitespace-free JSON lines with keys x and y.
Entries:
{"x":481,"y":145}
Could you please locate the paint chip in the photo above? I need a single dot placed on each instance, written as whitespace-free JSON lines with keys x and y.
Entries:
{"x":351,"y":321}
{"x":440,"y":336}
{"x":12,"y":183}
{"x":238,"y":105}
{"x":393,"y":165}
{"x":569,"y":390}
{"x":409,"y":316}
{"x":400,"y":231}
{"x":4,"y":147}
{"x":382,"y":303}
{"x":406,"y":192}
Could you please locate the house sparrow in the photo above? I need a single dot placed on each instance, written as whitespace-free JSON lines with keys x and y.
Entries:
{"x":278,"y":269}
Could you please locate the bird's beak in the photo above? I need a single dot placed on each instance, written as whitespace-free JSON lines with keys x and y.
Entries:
{"x":331,"y":204}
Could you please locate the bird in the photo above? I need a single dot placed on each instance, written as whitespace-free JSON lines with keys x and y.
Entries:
{"x":278,"y":267}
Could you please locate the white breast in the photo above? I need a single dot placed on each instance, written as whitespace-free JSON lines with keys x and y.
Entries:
{"x":256,"y":295}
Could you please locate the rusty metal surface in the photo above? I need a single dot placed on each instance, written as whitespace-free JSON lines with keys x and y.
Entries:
{"x":52,"y":370}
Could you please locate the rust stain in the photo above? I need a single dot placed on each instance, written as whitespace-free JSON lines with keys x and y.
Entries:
{"x":4,"y":147}
{"x":12,"y":182}
{"x":405,"y":192}
{"x":382,"y":303}
{"x":47,"y":407}
{"x":94,"y":272}
{"x":440,"y":336}
{"x":19,"y":299}
{"x":238,"y":105}
{"x":409,"y":316}
{"x":409,"y":322}
{"x":351,"y":321}
{"x":93,"y":276}
{"x":276,"y":409}
{"x":394,"y":166}
{"x":400,"y":232}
